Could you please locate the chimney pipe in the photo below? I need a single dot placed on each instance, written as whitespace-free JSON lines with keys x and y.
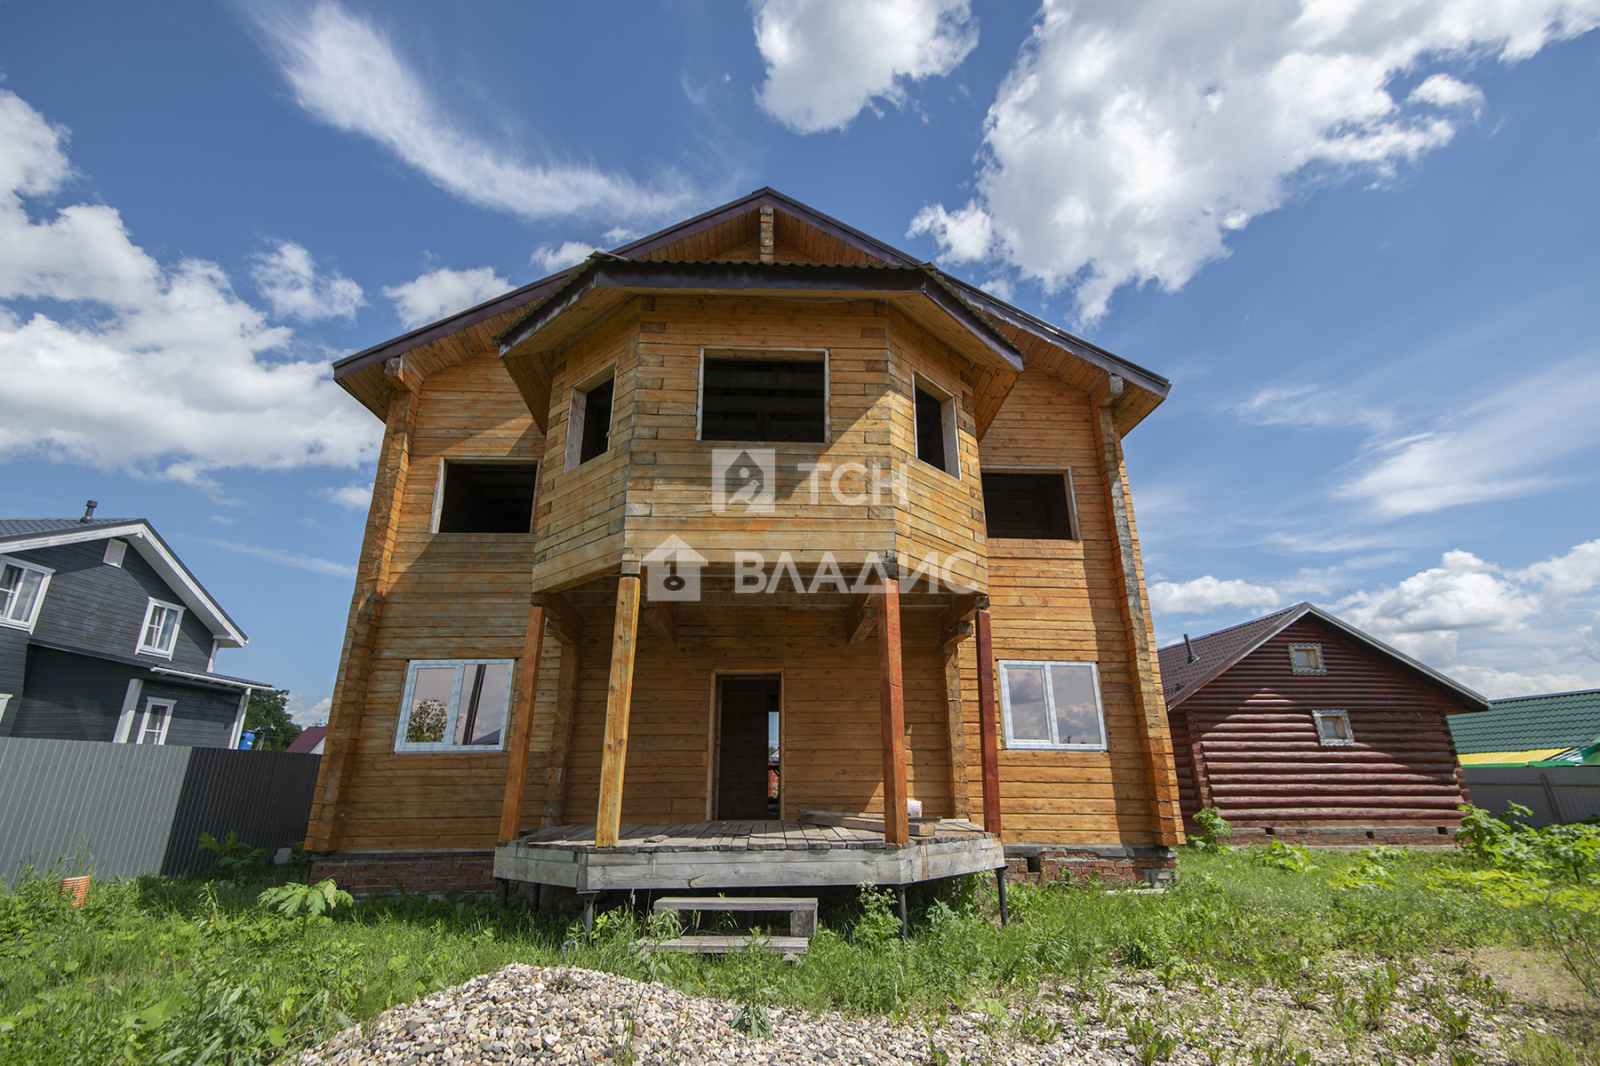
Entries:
{"x":1192,"y":656}
{"x":88,"y":510}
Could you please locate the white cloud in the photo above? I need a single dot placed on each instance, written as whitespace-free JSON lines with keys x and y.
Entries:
{"x":346,"y":72}
{"x":285,"y":558}
{"x":1309,"y":405}
{"x":826,"y":59}
{"x":567,"y":255}
{"x":1206,"y":594}
{"x":157,"y":370}
{"x":287,"y":277}
{"x":442,"y":292}
{"x":1463,"y":592}
{"x":1131,"y":137}
{"x":1495,"y":450}
{"x":308,"y":715}
{"x":1563,"y":576}
{"x":350,"y":497}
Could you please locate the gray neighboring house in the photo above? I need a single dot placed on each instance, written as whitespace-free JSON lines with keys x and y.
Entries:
{"x":105,"y":635}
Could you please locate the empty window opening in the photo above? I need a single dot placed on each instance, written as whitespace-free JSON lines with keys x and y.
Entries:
{"x":589,"y":421}
{"x":1030,"y":506}
{"x":1333,"y":729}
{"x":454,"y":704}
{"x":487,"y":497}
{"x":936,"y":427}
{"x":1306,"y":659}
{"x":766,"y":400}
{"x":747,"y":759}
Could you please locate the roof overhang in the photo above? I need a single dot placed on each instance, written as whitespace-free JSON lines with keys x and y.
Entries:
{"x":153,"y":550}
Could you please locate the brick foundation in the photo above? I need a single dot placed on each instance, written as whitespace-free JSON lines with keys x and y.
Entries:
{"x":432,"y":873}
{"x":1081,"y":864}
{"x":1347,"y":836}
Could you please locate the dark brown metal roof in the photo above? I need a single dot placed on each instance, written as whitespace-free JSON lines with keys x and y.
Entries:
{"x":1216,"y":652}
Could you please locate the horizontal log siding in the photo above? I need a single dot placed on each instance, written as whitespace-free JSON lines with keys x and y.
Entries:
{"x":451,"y":595}
{"x":1264,"y":766}
{"x":1057,"y":600}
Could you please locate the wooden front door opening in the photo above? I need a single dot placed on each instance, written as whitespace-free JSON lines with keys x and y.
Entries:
{"x":749,"y":707}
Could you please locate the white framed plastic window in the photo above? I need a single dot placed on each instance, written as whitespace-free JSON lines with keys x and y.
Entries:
{"x":1052,"y":705}
{"x":159,"y":633}
{"x":22,"y":589}
{"x":455,"y":705}
{"x":1307,"y":659}
{"x":155,"y":722}
{"x":1333,"y":729}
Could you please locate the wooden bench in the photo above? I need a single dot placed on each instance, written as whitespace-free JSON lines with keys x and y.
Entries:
{"x":802,"y":924}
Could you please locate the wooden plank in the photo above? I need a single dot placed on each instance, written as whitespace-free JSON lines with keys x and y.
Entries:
{"x":989,"y":743}
{"x":555,"y":787}
{"x":891,"y":703}
{"x":921,"y":827}
{"x":619,"y":699}
{"x":955,"y":733}
{"x":560,"y":607}
{"x":522,"y":726}
{"x":730,"y":945}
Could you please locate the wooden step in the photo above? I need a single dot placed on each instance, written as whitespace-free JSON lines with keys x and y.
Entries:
{"x":802,"y":910}
{"x":730,"y":945}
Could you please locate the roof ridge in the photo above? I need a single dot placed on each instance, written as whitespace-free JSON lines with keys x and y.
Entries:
{"x":1239,"y":625}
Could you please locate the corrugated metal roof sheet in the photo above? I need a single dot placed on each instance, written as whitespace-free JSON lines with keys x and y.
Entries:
{"x":1557,"y":721}
{"x":1215,"y":652}
{"x":27,"y":527}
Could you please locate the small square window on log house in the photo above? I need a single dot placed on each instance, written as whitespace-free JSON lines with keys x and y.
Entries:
{"x":936,"y":427}
{"x":770,"y":397}
{"x":1333,"y":729}
{"x":1307,"y":659}
{"x":492,"y":497}
{"x":589,"y":419}
{"x":1030,"y":506}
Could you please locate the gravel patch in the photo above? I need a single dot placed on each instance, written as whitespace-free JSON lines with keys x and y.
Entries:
{"x":559,"y":1016}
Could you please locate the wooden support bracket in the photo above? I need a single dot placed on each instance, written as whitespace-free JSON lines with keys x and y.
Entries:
{"x":663,"y":622}
{"x":955,"y":634}
{"x":859,"y":619}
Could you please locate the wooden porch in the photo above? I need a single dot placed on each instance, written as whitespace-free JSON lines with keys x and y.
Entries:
{"x":764,"y":854}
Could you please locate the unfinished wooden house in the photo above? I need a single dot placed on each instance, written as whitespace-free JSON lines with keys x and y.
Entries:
{"x":1299,"y":726}
{"x":754,"y":495}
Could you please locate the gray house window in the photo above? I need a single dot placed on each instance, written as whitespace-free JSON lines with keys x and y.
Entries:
{"x":22,"y":587}
{"x":159,"y":635}
{"x":1052,"y":705}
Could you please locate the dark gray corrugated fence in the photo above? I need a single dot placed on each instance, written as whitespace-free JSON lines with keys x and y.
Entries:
{"x":125,"y":809}
{"x":1553,"y":793}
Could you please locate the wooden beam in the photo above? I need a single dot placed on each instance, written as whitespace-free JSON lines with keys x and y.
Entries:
{"x":361,"y":629}
{"x":557,"y":606}
{"x":955,"y":634}
{"x":555,"y":774}
{"x":962,"y":608}
{"x":891,"y":702}
{"x":989,"y":741}
{"x":859,"y":619}
{"x":522,"y":726}
{"x":956,"y":732}
{"x":619,"y":698}
{"x":663,"y":622}
{"x":401,"y":374}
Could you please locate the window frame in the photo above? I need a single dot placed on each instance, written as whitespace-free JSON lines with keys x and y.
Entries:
{"x":446,"y":461}
{"x":45,"y":573}
{"x":822,"y":355}
{"x":1012,"y":743}
{"x":577,"y":407}
{"x":144,"y":628}
{"x":401,"y":745}
{"x":1319,"y":670}
{"x":947,"y":421}
{"x":168,"y":707}
{"x":1349,"y":739}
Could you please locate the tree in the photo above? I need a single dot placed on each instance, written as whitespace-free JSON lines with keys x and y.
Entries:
{"x":268,"y":718}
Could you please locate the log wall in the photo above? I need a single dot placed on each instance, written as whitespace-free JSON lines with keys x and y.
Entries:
{"x":1250,"y":734}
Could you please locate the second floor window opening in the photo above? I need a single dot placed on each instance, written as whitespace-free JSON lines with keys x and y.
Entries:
{"x":936,"y":427}
{"x":1030,"y":506}
{"x":589,"y":420}
{"x":488,"y":497}
{"x":21,"y":591}
{"x":766,"y":397}
{"x":160,"y":633}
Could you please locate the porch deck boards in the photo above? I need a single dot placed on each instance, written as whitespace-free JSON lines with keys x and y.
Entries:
{"x":732,"y":854}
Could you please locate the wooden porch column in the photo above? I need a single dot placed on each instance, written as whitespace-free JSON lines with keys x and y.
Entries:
{"x":891,"y":701}
{"x":361,"y":629}
{"x":1143,"y":669}
{"x":522,"y":726}
{"x":989,"y":743}
{"x":619,"y":697}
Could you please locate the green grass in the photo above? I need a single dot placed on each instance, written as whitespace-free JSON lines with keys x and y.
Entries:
{"x":181,"y":967}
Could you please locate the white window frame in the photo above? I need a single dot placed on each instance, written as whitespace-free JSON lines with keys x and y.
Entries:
{"x":1318,"y":717}
{"x":144,"y":627}
{"x":806,"y":355}
{"x":116,"y":551}
{"x":1319,"y":670}
{"x":1050,"y":706}
{"x":151,"y":705}
{"x":32,"y":619}
{"x":947,"y":417}
{"x":400,"y":743}
{"x":575,"y":414}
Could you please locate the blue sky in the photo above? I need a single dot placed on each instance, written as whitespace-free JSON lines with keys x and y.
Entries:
{"x":1359,"y":238}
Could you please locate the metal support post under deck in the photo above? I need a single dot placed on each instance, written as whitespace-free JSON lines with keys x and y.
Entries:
{"x":905,"y":916}
{"x":619,"y":698}
{"x":891,"y":697}
{"x":522,"y":726}
{"x":1000,"y":885}
{"x":988,"y":742}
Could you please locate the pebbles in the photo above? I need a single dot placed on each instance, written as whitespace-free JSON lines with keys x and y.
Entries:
{"x":556,"y":1016}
